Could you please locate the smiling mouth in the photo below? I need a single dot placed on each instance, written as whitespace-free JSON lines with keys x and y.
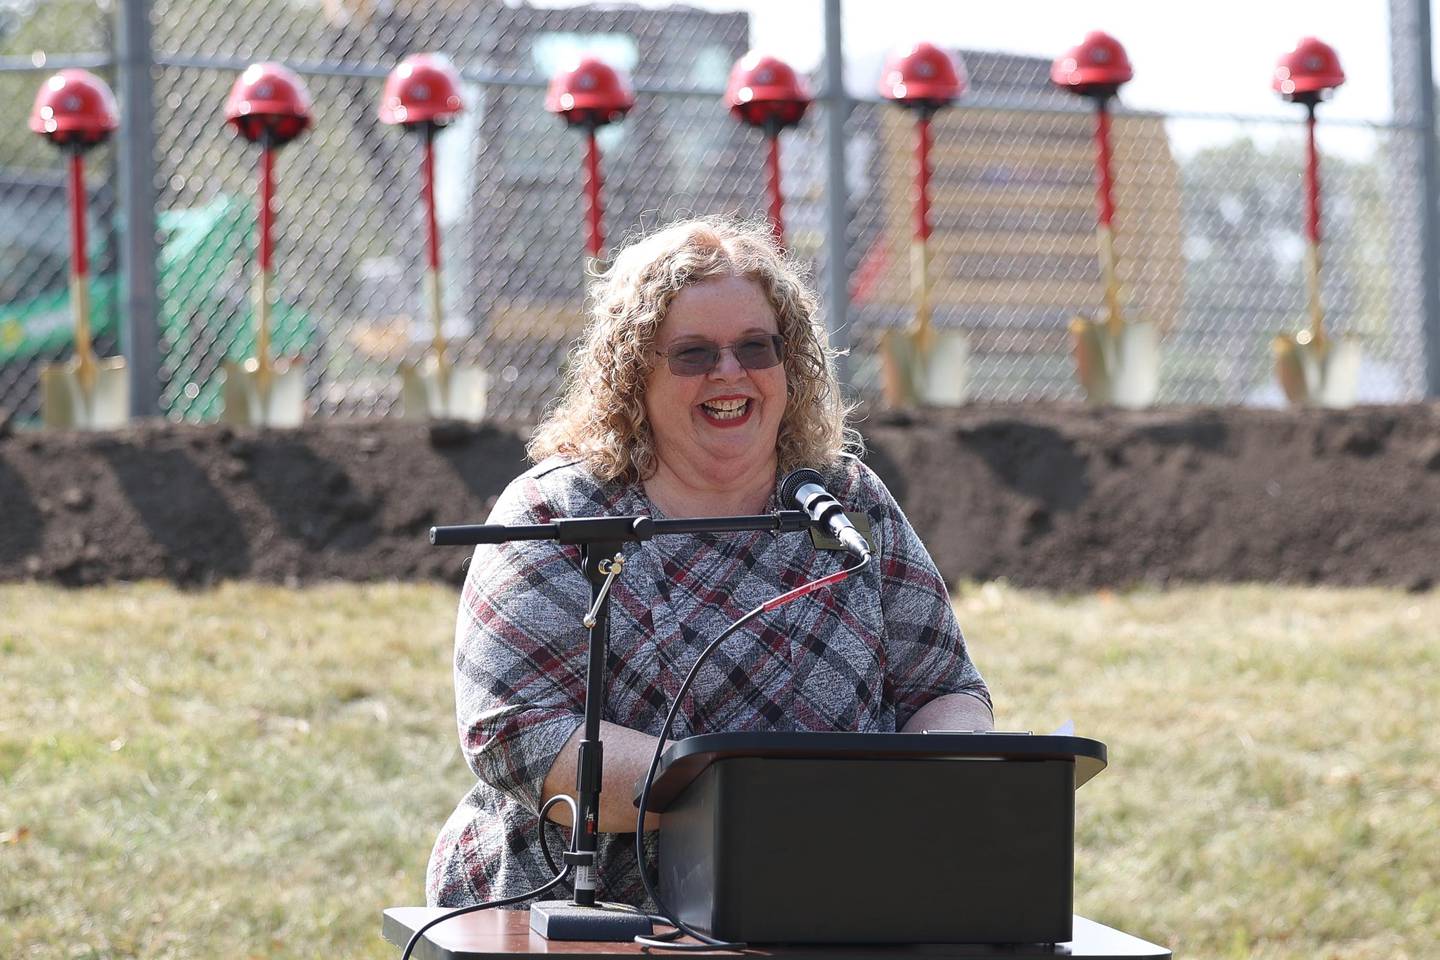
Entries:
{"x":726,"y":409}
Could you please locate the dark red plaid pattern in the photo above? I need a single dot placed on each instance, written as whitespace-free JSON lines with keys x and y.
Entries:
{"x":863,"y":656}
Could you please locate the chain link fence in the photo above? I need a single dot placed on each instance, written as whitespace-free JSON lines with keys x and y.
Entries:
{"x":1208,"y":225}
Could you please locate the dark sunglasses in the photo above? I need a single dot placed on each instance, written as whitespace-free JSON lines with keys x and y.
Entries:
{"x":697,"y":358}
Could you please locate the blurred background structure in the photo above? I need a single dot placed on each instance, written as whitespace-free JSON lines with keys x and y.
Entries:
{"x":1209,"y":235}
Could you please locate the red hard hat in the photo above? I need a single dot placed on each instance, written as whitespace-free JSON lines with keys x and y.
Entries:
{"x":922,"y":75}
{"x":424,"y":88}
{"x":268,"y":99}
{"x":74,"y":106}
{"x":764,"y":90}
{"x":1307,"y":72}
{"x":1097,"y":67}
{"x":589,"y":93}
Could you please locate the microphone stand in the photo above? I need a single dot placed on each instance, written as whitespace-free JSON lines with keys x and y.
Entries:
{"x":600,"y":540}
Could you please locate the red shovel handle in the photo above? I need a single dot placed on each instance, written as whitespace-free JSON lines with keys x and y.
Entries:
{"x":433,"y":294}
{"x":265,"y":254}
{"x":595,"y":243}
{"x":79,"y":257}
{"x":80,"y":271}
{"x":1312,"y":180}
{"x":1312,"y":228}
{"x":427,"y":195}
{"x":777,"y":198}
{"x":1104,"y":186}
{"x":267,"y":211}
{"x":922,"y":180}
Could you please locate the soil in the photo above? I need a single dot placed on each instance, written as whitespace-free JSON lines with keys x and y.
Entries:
{"x":1052,"y":496}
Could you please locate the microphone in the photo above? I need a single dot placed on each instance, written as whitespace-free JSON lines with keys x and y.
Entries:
{"x":805,"y":488}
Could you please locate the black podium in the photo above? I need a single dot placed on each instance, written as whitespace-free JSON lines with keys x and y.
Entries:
{"x":872,"y":838}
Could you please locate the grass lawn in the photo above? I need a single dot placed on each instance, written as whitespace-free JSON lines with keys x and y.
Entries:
{"x":256,"y":772}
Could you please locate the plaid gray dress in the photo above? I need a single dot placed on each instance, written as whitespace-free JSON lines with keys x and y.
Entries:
{"x":862,"y":656}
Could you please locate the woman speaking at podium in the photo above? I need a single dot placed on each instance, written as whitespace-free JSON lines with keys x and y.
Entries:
{"x":702,"y":377}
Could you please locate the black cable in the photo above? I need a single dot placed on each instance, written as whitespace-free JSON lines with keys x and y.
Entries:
{"x":672,"y":935}
{"x":544,"y":845}
{"x":705,"y":942}
{"x":472,"y":908}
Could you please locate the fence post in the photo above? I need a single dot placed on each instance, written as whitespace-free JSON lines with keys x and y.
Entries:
{"x":837,"y":206}
{"x":135,"y":148}
{"x":1430,"y":189}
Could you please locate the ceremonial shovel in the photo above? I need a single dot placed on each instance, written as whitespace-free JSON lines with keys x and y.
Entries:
{"x":1313,"y":368}
{"x":75,"y":110}
{"x":923,"y":364}
{"x":268,"y":105}
{"x":1117,"y":361}
{"x":89,"y":393}
{"x":422,"y":94}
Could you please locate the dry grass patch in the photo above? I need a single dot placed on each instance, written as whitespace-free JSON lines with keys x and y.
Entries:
{"x":254,"y":771}
{"x":1274,"y":760}
{"x":249,"y":771}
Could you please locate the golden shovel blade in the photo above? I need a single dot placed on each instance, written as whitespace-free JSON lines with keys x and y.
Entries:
{"x":1339,"y":375}
{"x":935,"y":373}
{"x":262,"y":397}
{"x":1135,"y":380}
{"x":1290,"y":369}
{"x":460,"y":394}
{"x":67,"y":402}
{"x":1322,"y":372}
{"x":942,"y":372}
{"x":1092,"y":367}
{"x":896,"y":369}
{"x":1117,"y":368}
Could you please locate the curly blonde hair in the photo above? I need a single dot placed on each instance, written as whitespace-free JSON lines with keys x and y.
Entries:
{"x":600,"y":416}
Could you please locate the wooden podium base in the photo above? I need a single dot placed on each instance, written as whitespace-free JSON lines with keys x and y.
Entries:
{"x":504,"y":934}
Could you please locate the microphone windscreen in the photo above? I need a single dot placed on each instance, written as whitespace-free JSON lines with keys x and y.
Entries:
{"x":794,"y":481}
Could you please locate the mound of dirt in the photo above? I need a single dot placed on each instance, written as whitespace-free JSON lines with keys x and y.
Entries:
{"x":1050,"y":496}
{"x":1069,"y":498}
